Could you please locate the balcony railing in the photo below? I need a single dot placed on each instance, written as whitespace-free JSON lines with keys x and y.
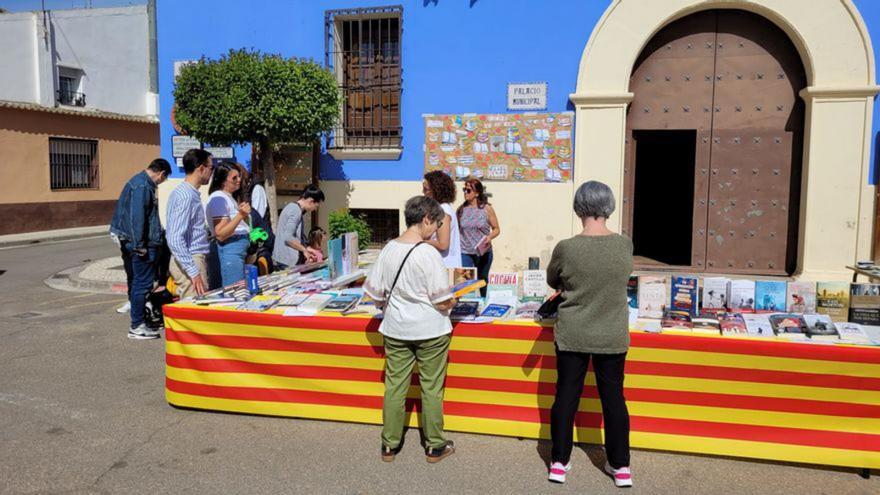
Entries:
{"x":71,"y":98}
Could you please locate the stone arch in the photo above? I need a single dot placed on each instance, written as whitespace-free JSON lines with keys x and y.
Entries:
{"x":839,"y":105}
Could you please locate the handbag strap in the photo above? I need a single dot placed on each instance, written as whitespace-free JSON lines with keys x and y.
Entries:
{"x":399,"y":270}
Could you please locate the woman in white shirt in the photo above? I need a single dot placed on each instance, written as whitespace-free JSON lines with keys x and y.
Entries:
{"x":409,"y":282}
{"x":228,"y":223}
{"x":447,"y":240}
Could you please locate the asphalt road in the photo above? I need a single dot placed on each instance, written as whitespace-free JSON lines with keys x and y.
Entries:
{"x":82,"y":410}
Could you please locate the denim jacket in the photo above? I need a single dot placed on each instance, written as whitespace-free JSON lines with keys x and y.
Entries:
{"x":136,"y":218}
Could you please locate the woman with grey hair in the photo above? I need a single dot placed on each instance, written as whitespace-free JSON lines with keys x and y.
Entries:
{"x":592,"y":270}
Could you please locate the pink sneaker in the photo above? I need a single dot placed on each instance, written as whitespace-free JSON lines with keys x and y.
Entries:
{"x":558,"y":472}
{"x":622,"y":477}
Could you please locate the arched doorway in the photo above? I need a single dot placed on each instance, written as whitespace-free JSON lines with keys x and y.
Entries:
{"x":714,"y":146}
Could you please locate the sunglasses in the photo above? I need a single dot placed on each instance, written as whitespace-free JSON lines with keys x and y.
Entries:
{"x":467,"y":190}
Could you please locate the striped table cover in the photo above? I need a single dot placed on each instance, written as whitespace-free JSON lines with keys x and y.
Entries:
{"x":711,"y":395}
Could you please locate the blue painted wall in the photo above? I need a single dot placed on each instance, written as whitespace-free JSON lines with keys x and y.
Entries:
{"x":458,"y":56}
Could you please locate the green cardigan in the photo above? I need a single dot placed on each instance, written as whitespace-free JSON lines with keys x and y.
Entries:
{"x":592,"y":272}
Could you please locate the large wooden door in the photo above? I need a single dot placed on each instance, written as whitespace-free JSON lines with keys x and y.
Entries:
{"x":729,"y":81}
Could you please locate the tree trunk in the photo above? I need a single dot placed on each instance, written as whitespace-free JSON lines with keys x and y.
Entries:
{"x":265,"y":152}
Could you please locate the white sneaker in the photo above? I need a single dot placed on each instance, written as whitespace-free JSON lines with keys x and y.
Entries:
{"x":558,"y":472}
{"x":142,"y":333}
{"x":622,"y":477}
{"x":125,"y":308}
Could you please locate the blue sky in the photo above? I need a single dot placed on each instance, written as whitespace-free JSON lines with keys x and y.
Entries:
{"x":26,"y":5}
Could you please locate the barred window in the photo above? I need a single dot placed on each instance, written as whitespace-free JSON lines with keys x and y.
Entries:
{"x":73,"y":164}
{"x":385,"y":224}
{"x":362,"y":47}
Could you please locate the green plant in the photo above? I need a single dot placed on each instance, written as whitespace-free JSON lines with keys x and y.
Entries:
{"x":250,"y":97}
{"x":342,"y":222}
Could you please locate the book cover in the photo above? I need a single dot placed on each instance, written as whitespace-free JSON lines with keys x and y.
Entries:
{"x":801,"y":297}
{"x":770,"y":296}
{"x":649,"y":325}
{"x":335,"y":258}
{"x":788,"y":325}
{"x":467,"y":287}
{"x":758,"y":325}
{"x":853,"y":333}
{"x":464,"y":310}
{"x":259,"y":303}
{"x":350,"y":260}
{"x":294,"y":299}
{"x":864,"y":304}
{"x":652,"y":296}
{"x":528,"y":309}
{"x":503,"y":283}
{"x":707,"y":323}
{"x":315,"y":303}
{"x":495,"y":311}
{"x":715,"y":293}
{"x":732,"y":324}
{"x":742,"y":295}
{"x":674,"y":319}
{"x":632,"y":292}
{"x":342,"y":303}
{"x":820,"y":327}
{"x":832,"y":299}
{"x":684,"y":294}
{"x":534,"y":285}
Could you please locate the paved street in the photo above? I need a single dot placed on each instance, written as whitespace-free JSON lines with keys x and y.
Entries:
{"x":82,"y":410}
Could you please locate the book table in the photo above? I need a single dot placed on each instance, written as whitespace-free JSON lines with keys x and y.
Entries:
{"x":784,"y":401}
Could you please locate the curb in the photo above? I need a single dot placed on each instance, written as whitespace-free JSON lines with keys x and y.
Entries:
{"x":31,"y":238}
{"x":69,"y":280}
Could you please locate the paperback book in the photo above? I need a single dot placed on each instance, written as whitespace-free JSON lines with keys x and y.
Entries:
{"x":460,"y":275}
{"x":342,"y":303}
{"x":801,"y":297}
{"x":832,"y":299}
{"x":467,"y":287}
{"x":742,"y":295}
{"x":649,"y":325}
{"x":495,"y":311}
{"x":789,"y":326}
{"x":676,"y":320}
{"x":464,"y":310}
{"x":707,"y":323}
{"x":503,"y":288}
{"x":534,"y":285}
{"x":820,"y":327}
{"x":758,"y":325}
{"x":314,"y":304}
{"x":853,"y":333}
{"x":652,"y":296}
{"x":684,"y":294}
{"x":770,"y":296}
{"x":715,"y":293}
{"x":632,"y":292}
{"x":864,"y":304}
{"x":259,"y":303}
{"x":732,"y":324}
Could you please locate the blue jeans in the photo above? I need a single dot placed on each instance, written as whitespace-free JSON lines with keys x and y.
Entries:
{"x":230,"y":258}
{"x":143,"y":271}
{"x":481,"y":263}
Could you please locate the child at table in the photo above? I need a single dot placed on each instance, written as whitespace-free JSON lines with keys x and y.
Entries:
{"x":316,"y":243}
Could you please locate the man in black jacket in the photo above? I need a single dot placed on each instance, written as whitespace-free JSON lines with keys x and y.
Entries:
{"x":136,"y":225}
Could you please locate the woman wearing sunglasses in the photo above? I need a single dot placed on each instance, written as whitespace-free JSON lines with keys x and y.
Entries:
{"x":479,"y":225}
{"x":228,"y":221}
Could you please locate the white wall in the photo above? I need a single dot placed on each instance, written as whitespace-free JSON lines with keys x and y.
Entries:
{"x":110,"y":46}
{"x":18,"y":58}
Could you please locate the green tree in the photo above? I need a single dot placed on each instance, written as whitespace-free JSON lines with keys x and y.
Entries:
{"x":250,"y":97}
{"x":342,"y":222}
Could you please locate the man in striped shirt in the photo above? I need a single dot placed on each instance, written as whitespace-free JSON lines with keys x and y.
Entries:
{"x":186,"y":227}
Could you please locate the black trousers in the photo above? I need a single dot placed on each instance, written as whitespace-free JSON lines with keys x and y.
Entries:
{"x":571,"y":369}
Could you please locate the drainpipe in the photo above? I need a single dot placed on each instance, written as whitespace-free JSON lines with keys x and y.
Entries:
{"x":154,"y":64}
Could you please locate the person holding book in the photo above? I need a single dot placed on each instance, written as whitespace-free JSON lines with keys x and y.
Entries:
{"x":291,"y":245}
{"x":447,"y":240}
{"x":228,"y":222}
{"x":592,"y":270}
{"x":409,"y":283}
{"x":479,"y":226}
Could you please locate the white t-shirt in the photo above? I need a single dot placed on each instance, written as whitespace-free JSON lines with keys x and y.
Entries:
{"x":452,"y":256}
{"x":410,"y":313}
{"x":221,"y":205}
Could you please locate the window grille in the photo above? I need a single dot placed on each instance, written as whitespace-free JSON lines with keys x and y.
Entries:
{"x":385,"y":224}
{"x":363,"y":49}
{"x":73,"y":164}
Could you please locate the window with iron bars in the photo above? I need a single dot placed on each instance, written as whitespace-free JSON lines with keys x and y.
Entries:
{"x":385,"y":224}
{"x":73,"y":164}
{"x":362,"y":47}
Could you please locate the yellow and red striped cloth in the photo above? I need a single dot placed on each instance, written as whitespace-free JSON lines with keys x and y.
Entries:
{"x":712,"y":395}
